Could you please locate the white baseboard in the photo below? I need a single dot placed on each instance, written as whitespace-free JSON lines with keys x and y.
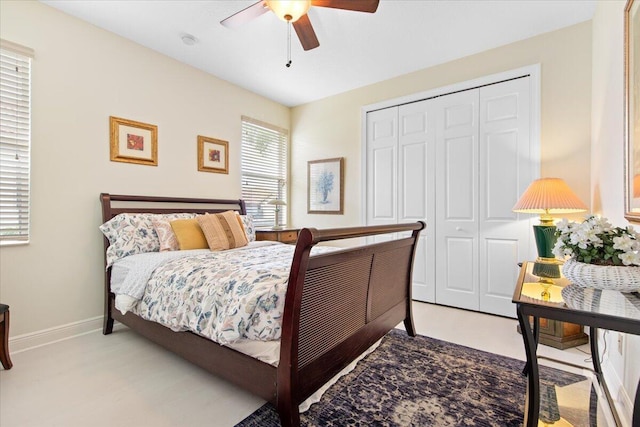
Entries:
{"x":621,"y":399}
{"x":59,"y":333}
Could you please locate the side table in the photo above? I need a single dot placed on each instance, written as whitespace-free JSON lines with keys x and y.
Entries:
{"x":284,"y":235}
{"x":558,"y":334}
{"x":597,"y":309}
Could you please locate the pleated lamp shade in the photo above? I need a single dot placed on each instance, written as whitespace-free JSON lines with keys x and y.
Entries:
{"x":549,"y":196}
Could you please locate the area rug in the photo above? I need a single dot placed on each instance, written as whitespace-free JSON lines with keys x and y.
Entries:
{"x":422,"y":381}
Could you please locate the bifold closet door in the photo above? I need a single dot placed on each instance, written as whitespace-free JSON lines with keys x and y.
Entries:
{"x":483,"y":165}
{"x":400,"y":181}
{"x":457,"y":259}
{"x":506,"y":169}
{"x":458,"y":162}
{"x":382,"y":167}
{"x":416,"y":188}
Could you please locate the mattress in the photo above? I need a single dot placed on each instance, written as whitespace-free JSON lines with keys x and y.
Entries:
{"x":234,"y":297}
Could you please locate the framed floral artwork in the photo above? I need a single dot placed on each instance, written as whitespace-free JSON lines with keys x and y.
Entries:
{"x":213,"y":155}
{"x":325,"y":186}
{"x":133,"y":142}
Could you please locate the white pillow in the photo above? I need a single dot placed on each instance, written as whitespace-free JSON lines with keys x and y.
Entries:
{"x":130,"y":234}
{"x":249,"y":229}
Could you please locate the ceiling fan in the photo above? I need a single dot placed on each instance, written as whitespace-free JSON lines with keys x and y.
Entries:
{"x":295,"y":12}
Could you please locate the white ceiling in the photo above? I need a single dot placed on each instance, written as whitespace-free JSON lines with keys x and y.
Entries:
{"x":356,"y":49}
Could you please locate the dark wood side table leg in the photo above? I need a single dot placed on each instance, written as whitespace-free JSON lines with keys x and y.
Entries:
{"x":536,"y":339}
{"x":532,"y":406}
{"x":4,"y":342}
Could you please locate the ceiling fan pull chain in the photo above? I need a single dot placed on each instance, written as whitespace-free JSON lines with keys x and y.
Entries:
{"x":288,"y":64}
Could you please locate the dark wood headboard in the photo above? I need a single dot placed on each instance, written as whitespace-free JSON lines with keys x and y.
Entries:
{"x":114,"y":204}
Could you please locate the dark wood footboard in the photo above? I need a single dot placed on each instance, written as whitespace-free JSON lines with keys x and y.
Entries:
{"x":337,"y":305}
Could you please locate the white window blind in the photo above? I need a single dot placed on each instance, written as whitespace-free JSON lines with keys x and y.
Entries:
{"x":15,"y":137}
{"x":264,"y":170}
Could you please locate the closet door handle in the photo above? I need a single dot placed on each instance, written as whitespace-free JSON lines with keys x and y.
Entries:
{"x":459,"y":229}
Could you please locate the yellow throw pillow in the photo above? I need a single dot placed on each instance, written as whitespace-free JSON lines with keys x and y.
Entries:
{"x":189,"y":234}
{"x":223,"y":231}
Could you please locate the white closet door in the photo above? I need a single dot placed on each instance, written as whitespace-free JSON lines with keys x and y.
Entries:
{"x":457,"y":200}
{"x":382,"y":168}
{"x":505,"y":171}
{"x":459,"y":162}
{"x":416,"y":188}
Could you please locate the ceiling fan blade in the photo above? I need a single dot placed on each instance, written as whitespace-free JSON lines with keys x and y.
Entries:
{"x":305,"y":33}
{"x":245,"y":15}
{"x":355,"y":5}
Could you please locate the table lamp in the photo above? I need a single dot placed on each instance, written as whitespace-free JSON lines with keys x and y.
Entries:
{"x":277,"y":203}
{"x":548,"y":196}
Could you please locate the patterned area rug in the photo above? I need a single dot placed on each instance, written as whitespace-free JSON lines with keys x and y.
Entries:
{"x":426,"y":382}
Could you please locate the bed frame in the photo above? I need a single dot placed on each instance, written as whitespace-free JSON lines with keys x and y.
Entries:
{"x":337,"y":305}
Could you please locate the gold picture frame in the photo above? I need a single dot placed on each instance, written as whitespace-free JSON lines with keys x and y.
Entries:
{"x":133,"y":142}
{"x":213,"y":155}
{"x":324,"y":194}
{"x":632,"y":110}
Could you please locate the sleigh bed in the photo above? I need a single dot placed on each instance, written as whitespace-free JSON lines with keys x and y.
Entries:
{"x":336,"y":306}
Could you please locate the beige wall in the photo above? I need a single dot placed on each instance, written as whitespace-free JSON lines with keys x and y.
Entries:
{"x":607,"y":177}
{"x":331,"y":127}
{"x":81,"y":76}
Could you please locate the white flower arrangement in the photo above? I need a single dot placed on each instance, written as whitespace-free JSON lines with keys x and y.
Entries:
{"x":596,"y":241}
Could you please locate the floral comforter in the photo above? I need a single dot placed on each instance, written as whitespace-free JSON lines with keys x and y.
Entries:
{"x":224,"y":296}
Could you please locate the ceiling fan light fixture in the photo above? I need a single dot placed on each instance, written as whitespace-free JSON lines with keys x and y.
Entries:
{"x":289,"y":10}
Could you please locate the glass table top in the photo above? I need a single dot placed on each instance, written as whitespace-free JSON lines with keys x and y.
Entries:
{"x":544,"y":284}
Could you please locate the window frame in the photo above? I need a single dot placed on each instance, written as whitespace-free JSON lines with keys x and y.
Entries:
{"x":257,"y":196}
{"x":15,"y":136}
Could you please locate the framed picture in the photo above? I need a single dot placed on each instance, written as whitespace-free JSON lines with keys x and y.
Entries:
{"x":632,"y":110}
{"x":133,"y":142}
{"x":213,"y":155}
{"x":325,"y":186}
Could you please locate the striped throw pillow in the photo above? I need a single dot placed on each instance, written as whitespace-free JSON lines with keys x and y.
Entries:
{"x":223,"y":231}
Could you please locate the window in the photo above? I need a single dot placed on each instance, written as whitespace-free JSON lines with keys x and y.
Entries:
{"x":264,"y":171}
{"x":15,"y":137}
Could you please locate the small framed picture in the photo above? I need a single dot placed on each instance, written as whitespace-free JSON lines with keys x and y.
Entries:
{"x":213,"y":155}
{"x":133,"y":142}
{"x":325,"y":186}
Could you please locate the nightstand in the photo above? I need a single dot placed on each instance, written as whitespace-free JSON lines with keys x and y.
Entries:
{"x":559,"y":334}
{"x":284,"y":235}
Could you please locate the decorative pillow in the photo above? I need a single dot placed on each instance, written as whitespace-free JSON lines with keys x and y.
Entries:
{"x":223,"y":231}
{"x":189,"y":234}
{"x":249,"y":229}
{"x":130,"y":234}
{"x":166,"y":236}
